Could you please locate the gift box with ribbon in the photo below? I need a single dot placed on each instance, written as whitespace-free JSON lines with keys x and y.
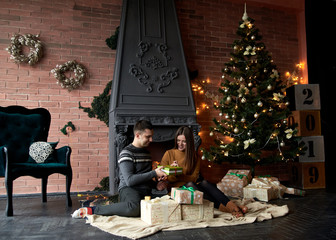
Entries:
{"x":272,"y":182}
{"x":295,"y":191}
{"x":186,"y":195}
{"x":233,"y":182}
{"x":262,"y":193}
{"x":160,"y":210}
{"x":264,"y":188}
{"x":198,"y":212}
{"x":171,"y":170}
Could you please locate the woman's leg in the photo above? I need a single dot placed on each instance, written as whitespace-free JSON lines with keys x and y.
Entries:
{"x":217,"y":196}
{"x":206,"y":192}
{"x":220,"y":200}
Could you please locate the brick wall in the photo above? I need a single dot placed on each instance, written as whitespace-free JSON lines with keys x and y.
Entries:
{"x":69,"y":30}
{"x":76,"y":30}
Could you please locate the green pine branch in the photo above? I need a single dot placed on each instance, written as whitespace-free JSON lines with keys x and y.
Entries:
{"x":100,"y":105}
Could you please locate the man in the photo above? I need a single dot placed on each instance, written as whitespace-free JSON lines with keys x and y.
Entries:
{"x":136,"y":176}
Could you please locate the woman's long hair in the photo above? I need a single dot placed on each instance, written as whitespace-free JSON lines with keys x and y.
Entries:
{"x":190,"y":153}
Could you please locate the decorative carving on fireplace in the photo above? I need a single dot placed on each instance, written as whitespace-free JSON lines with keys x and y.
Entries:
{"x":143,"y":78}
{"x":153,"y":61}
{"x":153,"y":57}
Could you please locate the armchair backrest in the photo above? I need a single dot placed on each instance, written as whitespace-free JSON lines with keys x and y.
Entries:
{"x":20,"y":127}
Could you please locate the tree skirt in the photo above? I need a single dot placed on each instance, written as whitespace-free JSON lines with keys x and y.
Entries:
{"x":135,"y":228}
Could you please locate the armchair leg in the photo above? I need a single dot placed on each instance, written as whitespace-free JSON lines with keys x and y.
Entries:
{"x":9,"y":188}
{"x":68,"y":186}
{"x":44,"y":183}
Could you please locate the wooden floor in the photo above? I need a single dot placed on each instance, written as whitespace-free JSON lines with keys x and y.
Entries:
{"x":310,"y":217}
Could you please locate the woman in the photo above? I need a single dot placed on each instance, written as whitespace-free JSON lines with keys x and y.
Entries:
{"x":184,"y":155}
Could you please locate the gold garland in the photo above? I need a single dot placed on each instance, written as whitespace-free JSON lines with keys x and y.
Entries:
{"x":29,"y":40}
{"x":70,"y":83}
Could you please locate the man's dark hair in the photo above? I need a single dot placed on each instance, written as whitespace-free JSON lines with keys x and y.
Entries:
{"x":142,"y":125}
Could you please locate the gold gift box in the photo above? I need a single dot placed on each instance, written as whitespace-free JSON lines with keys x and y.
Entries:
{"x":198,"y":212}
{"x":160,"y":210}
{"x":262,"y":193}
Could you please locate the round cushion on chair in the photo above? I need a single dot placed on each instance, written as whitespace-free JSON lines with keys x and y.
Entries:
{"x":41,"y":151}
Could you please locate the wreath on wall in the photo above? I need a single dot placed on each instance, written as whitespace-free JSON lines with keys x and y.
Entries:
{"x":68,"y":128}
{"x":18,"y":41}
{"x":69,"y":83}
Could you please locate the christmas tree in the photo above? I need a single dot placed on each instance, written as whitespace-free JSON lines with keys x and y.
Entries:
{"x":252,"y":127}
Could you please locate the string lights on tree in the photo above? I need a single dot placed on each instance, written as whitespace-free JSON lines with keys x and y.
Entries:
{"x":295,"y":77}
{"x":252,"y":125}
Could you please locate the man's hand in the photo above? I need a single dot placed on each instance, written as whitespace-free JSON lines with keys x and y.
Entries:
{"x":160,"y":174}
{"x":162,"y":185}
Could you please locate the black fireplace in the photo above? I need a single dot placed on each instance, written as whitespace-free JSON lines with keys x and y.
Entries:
{"x":151,"y":78}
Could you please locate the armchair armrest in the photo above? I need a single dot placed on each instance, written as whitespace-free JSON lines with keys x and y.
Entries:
{"x":3,"y":160}
{"x":63,"y":155}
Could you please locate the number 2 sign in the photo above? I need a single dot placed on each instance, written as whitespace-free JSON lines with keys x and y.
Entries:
{"x":304,"y":97}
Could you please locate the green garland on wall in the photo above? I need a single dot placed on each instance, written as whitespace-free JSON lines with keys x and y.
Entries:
{"x":100,"y":105}
{"x":113,"y":40}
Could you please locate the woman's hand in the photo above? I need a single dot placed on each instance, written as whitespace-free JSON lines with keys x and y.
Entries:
{"x":174,"y":164}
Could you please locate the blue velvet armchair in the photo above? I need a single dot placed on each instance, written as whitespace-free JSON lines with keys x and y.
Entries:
{"x":19,"y":129}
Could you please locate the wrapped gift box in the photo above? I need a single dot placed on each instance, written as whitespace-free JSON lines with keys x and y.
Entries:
{"x":295,"y":191}
{"x":198,"y":212}
{"x":262,"y":193}
{"x":271,"y":182}
{"x":233,"y":182}
{"x":187,"y":195}
{"x":265,"y":181}
{"x":170,"y":170}
{"x":160,"y":210}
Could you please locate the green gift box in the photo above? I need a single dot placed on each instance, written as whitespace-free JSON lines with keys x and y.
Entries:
{"x":170,"y":170}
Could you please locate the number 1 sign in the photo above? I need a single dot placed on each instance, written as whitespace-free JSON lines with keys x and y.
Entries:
{"x":315,"y":151}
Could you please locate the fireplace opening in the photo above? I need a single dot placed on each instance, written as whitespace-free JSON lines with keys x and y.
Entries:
{"x":157,"y":149}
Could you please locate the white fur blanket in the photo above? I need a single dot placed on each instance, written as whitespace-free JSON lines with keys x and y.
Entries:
{"x":135,"y":228}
